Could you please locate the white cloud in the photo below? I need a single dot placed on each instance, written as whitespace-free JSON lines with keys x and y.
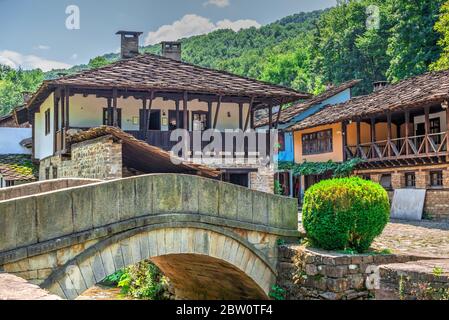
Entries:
{"x":192,"y":25}
{"x":15,"y":60}
{"x":218,"y":3}
{"x":42,"y":47}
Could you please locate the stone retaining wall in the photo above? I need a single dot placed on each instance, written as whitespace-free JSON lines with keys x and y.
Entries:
{"x":41,"y":187}
{"x":307,"y":274}
{"x":420,"y":280}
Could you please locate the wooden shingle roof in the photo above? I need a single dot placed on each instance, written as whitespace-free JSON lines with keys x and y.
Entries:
{"x":424,"y":90}
{"x":153,"y":72}
{"x":142,"y":156}
{"x":291,"y":112}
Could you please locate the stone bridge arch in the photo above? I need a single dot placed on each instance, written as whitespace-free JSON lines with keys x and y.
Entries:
{"x":202,"y":262}
{"x":45,"y":237}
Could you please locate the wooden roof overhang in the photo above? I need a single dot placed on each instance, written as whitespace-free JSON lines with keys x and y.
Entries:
{"x":412,"y":95}
{"x":170,"y":79}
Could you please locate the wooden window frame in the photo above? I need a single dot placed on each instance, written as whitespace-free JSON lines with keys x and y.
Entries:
{"x":47,"y":122}
{"x":438,"y":181}
{"x":200,"y":113}
{"x":410,"y":179}
{"x":314,"y":138}
{"x":281,"y":141}
{"x":119,"y":117}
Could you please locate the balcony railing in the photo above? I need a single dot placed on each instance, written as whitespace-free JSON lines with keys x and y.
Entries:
{"x":161,"y":139}
{"x":431,"y":145}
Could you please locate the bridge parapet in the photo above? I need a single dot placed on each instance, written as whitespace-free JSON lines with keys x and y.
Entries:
{"x":29,"y":222}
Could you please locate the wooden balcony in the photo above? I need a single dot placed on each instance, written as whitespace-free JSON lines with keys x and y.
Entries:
{"x":415,"y":150}
{"x":161,"y":139}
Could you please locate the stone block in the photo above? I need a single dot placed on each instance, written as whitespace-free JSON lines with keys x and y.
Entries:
{"x":275,"y":212}
{"x":82,"y":209}
{"x":190,"y":193}
{"x":126,"y":252}
{"x":167,"y":194}
{"x":8,"y":226}
{"x":336,"y":271}
{"x":245,"y":205}
{"x":54,"y":215}
{"x":128,"y":193}
{"x":108,"y":261}
{"x":311,"y":269}
{"x":260,"y":208}
{"x":337,"y":285}
{"x":106,"y":211}
{"x":98,"y":268}
{"x":228,"y":201}
{"x":76,"y":278}
{"x":143,"y":196}
{"x":117,"y":256}
{"x":209,"y":194}
{"x":357,"y":281}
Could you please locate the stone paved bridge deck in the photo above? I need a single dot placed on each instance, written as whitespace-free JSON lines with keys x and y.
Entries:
{"x":213,"y":240}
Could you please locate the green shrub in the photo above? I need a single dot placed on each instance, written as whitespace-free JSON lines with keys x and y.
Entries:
{"x":346,"y":213}
{"x":144,"y":281}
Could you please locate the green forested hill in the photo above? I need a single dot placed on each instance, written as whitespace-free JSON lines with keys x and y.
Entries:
{"x":393,"y":40}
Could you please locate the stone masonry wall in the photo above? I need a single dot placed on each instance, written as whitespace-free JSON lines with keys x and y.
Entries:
{"x":263,"y":180}
{"x":436,"y":205}
{"x":309,"y":274}
{"x":99,"y":158}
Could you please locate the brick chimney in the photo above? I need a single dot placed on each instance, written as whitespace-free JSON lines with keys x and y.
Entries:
{"x":379,"y":85}
{"x":172,"y":50}
{"x":129,"y":44}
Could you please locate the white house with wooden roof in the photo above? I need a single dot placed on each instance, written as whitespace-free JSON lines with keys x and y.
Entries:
{"x":146,"y":96}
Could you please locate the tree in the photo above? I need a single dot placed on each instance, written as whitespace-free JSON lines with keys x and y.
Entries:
{"x":442,"y":27}
{"x":98,"y":62}
{"x":412,"y":46}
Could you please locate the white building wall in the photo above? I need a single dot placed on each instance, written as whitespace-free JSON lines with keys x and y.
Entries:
{"x":43,"y":147}
{"x":441,"y":115}
{"x":10,"y":139}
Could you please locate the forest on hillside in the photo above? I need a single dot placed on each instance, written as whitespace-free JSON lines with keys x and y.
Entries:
{"x":370,"y":40}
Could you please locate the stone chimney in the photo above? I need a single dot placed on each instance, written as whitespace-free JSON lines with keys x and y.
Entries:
{"x":129,"y":44}
{"x":379,"y":85}
{"x":171,"y":50}
{"x":26,"y":96}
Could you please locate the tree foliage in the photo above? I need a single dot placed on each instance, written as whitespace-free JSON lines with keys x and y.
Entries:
{"x":442,"y":27}
{"x":305,"y":51}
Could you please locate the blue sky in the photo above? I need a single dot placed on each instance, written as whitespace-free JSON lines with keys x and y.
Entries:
{"x":33,"y":33}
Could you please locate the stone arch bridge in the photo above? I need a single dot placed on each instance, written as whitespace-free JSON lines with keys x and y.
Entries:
{"x":214,"y":240}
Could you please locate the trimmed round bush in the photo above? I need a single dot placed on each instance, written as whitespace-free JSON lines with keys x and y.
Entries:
{"x":346,"y":213}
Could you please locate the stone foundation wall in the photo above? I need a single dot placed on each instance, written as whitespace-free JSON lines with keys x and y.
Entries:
{"x":99,"y":158}
{"x":263,"y":180}
{"x":420,"y":280}
{"x":308,"y":274}
{"x":436,"y":205}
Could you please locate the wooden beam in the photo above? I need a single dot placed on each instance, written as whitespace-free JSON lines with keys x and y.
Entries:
{"x":145,"y":118}
{"x":114,"y":108}
{"x":344,"y":139}
{"x":389,"y":133}
{"x":278,"y":117}
{"x":148,"y":115}
{"x":358,"y":137}
{"x":67,"y":107}
{"x":447,"y":131}
{"x":270,"y":117}
{"x":217,"y":112}
{"x":427,"y":128}
{"x":109,"y":112}
{"x":250,"y":108}
{"x":241,"y":116}
{"x":185,"y":114}
{"x":407,"y":132}
{"x":209,"y":114}
{"x":56,"y":99}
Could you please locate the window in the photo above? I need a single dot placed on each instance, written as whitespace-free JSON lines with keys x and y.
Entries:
{"x":366,"y":177}
{"x":200,"y":120}
{"x":47,"y":173}
{"x":317,"y":142}
{"x":106,"y":117}
{"x":410,"y":180}
{"x":436,"y":178}
{"x":55,"y":172}
{"x":47,"y":122}
{"x":435,"y":127}
{"x":281,"y":141}
{"x":385,"y":181}
{"x":172,"y":122}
